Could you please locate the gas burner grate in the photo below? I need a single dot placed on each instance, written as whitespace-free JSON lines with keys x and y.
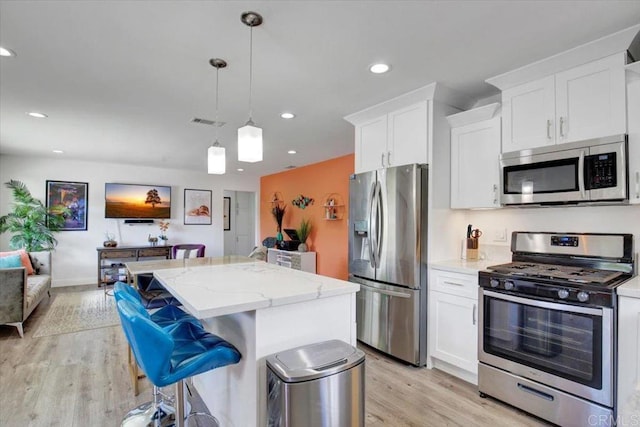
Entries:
{"x":557,"y":272}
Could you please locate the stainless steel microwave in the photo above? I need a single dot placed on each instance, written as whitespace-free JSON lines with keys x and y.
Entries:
{"x":591,"y":171}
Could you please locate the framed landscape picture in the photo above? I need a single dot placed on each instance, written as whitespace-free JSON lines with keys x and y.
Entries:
{"x":197,"y":207}
{"x":71,"y":199}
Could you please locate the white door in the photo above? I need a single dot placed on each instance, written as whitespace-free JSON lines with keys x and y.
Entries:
{"x":407,"y":141}
{"x":528,"y":115}
{"x":475,"y":165}
{"x":590,"y":100}
{"x":371,"y":145}
{"x":245,"y":229}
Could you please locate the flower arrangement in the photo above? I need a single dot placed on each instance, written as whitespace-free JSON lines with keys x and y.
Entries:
{"x":278,"y":214}
{"x":164,"y":226}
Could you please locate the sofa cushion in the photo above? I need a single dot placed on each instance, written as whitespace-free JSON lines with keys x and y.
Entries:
{"x":11,"y":261}
{"x":36,"y":286}
{"x":24,"y":258}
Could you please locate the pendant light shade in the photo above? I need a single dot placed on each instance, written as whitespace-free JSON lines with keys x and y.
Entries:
{"x":216,"y":157}
{"x":250,"y":136}
{"x":250,"y":143}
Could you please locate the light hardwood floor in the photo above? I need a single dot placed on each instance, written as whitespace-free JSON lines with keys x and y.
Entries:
{"x":81,"y":379}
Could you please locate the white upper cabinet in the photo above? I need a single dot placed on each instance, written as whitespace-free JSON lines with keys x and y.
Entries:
{"x":580,"y":103}
{"x":397,"y":138}
{"x":633,"y":111}
{"x":475,"y":152}
{"x":528,"y":113}
{"x":400,"y":131}
{"x":590,"y":100}
{"x":371,"y":144}
{"x":407,"y":138}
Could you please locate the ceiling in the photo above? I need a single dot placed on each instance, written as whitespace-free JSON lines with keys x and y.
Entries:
{"x":121,"y":80}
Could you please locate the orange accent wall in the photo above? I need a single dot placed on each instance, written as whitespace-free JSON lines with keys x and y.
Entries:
{"x":319,"y":181}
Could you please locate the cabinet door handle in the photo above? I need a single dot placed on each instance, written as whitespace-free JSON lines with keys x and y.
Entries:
{"x":549,"y":129}
{"x":446,"y":282}
{"x":473,"y":315}
{"x":388,"y":158}
{"x":382,"y":159}
{"x":637,"y":185}
{"x":562,"y":127}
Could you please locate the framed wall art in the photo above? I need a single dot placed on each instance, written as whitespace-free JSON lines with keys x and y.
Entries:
{"x":71,"y":199}
{"x":226,"y":218}
{"x":197,"y":207}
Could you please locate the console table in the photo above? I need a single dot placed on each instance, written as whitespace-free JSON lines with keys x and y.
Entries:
{"x":110,"y":260}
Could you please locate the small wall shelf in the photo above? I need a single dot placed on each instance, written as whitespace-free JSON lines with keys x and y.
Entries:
{"x":333,"y":207}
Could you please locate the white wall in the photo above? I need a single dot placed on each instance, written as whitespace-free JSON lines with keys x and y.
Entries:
{"x":592,"y":219}
{"x":75,"y":258}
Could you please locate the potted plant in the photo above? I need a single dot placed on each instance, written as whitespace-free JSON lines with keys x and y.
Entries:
{"x":31,"y":222}
{"x":303,"y":231}
{"x":278,"y":214}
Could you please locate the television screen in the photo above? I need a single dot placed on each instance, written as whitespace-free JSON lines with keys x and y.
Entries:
{"x":137,"y":201}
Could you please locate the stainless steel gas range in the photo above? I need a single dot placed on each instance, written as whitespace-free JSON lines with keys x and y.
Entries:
{"x":547,"y":337}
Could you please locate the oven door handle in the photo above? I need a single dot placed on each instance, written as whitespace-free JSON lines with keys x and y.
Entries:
{"x":545,"y":304}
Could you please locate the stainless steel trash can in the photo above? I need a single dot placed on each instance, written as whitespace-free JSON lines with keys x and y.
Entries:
{"x":317,"y":385}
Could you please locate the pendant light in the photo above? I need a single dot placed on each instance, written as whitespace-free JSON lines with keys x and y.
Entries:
{"x":216,"y":159}
{"x":250,"y":136}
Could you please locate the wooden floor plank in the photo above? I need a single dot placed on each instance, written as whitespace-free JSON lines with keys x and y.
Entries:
{"x":81,"y":379}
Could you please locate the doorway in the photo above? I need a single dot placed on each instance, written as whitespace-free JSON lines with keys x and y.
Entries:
{"x":240,"y":238}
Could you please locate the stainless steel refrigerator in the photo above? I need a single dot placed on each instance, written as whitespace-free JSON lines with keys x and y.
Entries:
{"x":388,"y":258}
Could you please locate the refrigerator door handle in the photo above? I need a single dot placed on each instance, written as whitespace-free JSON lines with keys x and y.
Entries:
{"x":379,"y":223}
{"x":370,"y":230}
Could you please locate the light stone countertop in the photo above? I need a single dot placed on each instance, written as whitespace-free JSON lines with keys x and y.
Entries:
{"x":630,"y":288}
{"x":217,"y":290}
{"x":466,"y":266}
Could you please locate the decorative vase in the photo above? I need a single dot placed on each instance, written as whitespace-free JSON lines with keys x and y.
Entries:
{"x":302,"y":247}
{"x":110,"y":243}
{"x":279,"y":237}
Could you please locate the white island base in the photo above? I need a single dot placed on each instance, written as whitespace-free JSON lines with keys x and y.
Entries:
{"x":236,"y":395}
{"x":261,"y":309}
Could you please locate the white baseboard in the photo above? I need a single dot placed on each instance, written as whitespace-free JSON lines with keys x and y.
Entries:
{"x":74,"y":282}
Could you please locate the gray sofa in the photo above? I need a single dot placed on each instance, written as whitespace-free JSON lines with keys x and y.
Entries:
{"x":20,"y":293}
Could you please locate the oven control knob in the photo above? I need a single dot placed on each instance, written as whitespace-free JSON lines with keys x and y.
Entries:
{"x":494,"y":283}
{"x":563,"y":294}
{"x":583,"y":296}
{"x":508,"y":285}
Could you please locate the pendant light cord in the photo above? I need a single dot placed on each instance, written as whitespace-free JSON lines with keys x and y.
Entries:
{"x":250,"y":71}
{"x":216,"y":119}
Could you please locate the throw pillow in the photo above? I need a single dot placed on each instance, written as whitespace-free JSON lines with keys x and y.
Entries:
{"x":11,"y":261}
{"x":35,"y":263}
{"x":24,"y":258}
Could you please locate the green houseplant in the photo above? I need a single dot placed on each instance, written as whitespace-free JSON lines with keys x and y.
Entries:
{"x":303,"y":231}
{"x":32,"y":224}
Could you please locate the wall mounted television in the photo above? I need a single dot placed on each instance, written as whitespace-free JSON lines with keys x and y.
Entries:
{"x":137,"y":201}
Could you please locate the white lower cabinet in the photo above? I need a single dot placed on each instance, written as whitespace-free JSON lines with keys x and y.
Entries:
{"x":628,"y":355}
{"x":453,"y":323}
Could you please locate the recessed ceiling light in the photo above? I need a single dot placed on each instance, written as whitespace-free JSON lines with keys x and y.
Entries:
{"x":58,"y":151}
{"x":240,"y":170}
{"x":37,"y":115}
{"x":292,"y":151}
{"x":6,"y":52}
{"x":287,"y":115}
{"x":379,"y":68}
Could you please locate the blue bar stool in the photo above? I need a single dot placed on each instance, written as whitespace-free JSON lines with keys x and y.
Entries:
{"x":168,"y":315}
{"x":169,"y":356}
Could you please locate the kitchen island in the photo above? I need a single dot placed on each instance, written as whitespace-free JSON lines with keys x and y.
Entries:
{"x":261,"y":309}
